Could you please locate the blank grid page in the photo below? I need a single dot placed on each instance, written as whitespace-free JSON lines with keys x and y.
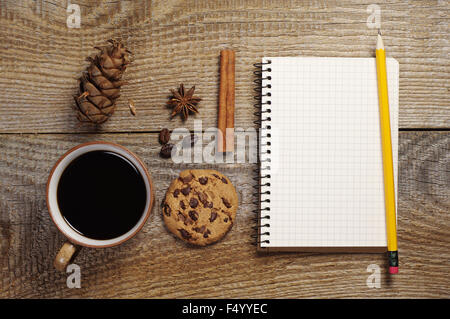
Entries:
{"x":326,"y":158}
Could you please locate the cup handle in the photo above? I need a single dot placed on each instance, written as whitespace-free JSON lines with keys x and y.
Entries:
{"x":65,"y":255}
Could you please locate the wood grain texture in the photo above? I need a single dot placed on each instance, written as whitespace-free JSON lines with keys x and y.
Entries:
{"x":155,"y":264}
{"x":179,"y":41}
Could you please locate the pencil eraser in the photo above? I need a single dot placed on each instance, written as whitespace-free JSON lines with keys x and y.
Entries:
{"x":393,"y":270}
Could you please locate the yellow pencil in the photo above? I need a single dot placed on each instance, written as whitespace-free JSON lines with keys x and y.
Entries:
{"x":388,"y":169}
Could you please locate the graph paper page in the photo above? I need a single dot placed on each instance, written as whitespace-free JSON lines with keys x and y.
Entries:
{"x":326,"y":184}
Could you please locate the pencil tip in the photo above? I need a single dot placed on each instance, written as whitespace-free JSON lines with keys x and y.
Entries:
{"x":379,"y":31}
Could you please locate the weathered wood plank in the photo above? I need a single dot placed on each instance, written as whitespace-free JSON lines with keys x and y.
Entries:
{"x":155,"y":264}
{"x":179,"y":41}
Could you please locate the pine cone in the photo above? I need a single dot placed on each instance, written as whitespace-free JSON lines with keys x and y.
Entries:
{"x":100,"y":85}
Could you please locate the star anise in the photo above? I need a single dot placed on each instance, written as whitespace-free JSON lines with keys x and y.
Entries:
{"x":183,"y":102}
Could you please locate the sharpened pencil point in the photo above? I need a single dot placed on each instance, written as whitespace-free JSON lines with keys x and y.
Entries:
{"x":379,"y":31}
{"x":380,"y":44}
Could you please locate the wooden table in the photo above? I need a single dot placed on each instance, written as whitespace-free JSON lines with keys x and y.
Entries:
{"x":179,"y":42}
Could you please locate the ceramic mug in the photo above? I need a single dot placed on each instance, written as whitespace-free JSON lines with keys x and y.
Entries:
{"x":76,"y":240}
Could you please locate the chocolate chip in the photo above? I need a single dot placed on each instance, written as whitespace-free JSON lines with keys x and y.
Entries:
{"x":224,"y":180}
{"x":176,"y":193}
{"x":166,"y":151}
{"x":182,"y":217}
{"x":193,"y":202}
{"x":217,"y":176}
{"x":164,"y":136}
{"x":185,"y":219}
{"x":208,"y":204}
{"x":186,"y":191}
{"x":182,"y":205}
{"x":187,"y":179}
{"x":203,"y":197}
{"x":205,"y":235}
{"x":193,"y":214}
{"x":226,"y":202}
{"x":167,"y":210}
{"x":203,"y":180}
{"x":225,"y":220}
{"x":213,"y":217}
{"x":184,"y":233}
{"x":200,"y":229}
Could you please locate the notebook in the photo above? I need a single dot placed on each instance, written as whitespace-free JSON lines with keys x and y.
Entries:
{"x":321,"y":173}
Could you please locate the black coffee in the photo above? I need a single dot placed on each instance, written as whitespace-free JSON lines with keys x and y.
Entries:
{"x":101,"y":195}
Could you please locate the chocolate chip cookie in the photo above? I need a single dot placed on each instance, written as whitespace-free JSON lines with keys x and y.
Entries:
{"x":200,"y":206}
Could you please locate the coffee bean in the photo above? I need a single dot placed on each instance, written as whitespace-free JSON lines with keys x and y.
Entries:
{"x":164,"y":136}
{"x":213,"y":217}
{"x":176,"y":193}
{"x":203,"y":180}
{"x":193,"y":202}
{"x":224,"y":180}
{"x":184,"y":233}
{"x":186,"y":191}
{"x":193,"y":214}
{"x":182,"y":205}
{"x":166,"y":151}
{"x":226,"y":202}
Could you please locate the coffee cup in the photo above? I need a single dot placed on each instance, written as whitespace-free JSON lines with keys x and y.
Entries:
{"x":99,"y":194}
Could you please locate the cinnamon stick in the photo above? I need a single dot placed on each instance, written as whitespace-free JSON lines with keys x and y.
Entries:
{"x":225,"y":121}
{"x":230,"y":101}
{"x":222,"y":117}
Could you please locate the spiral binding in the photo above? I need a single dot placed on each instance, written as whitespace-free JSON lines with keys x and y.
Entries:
{"x":262,"y":188}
